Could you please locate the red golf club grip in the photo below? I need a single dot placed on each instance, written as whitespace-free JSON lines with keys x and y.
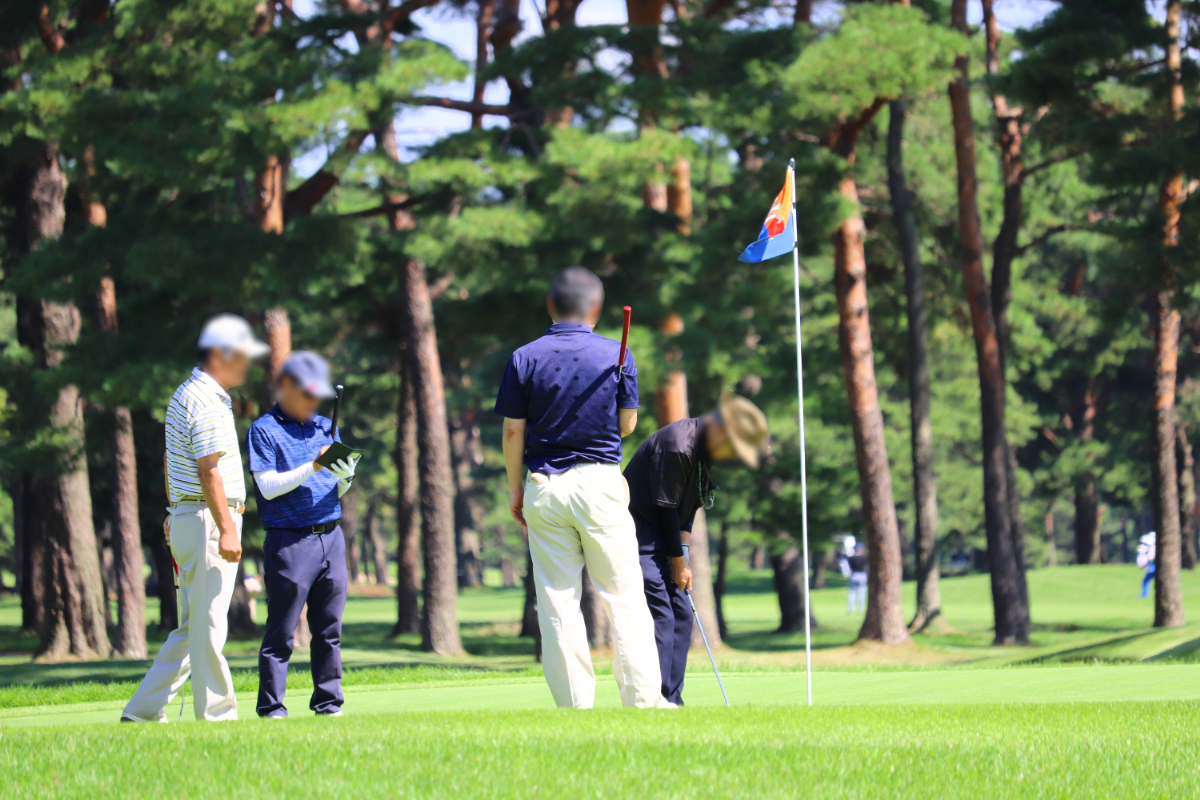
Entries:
{"x":624,"y":340}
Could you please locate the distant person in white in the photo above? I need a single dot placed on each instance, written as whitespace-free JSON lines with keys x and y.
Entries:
{"x":1147,"y":552}
{"x":207,"y":492}
{"x":855,"y":568}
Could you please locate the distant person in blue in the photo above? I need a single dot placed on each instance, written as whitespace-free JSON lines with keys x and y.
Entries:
{"x":304,"y":556}
{"x":1146,"y":555}
{"x":565,"y":409}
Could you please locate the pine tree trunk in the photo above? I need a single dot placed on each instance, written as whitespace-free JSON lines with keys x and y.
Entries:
{"x":467,"y":453}
{"x":73,"y":620}
{"x":168,"y":599}
{"x":241,"y":611}
{"x":128,"y":557}
{"x":354,"y":555}
{"x":1187,"y":498}
{"x":439,"y":621}
{"x":1168,"y":593}
{"x":529,"y":611}
{"x":594,"y":618}
{"x":1004,"y":250}
{"x":379,"y":549}
{"x":31,"y":547}
{"x":1087,"y":529}
{"x":719,"y":583}
{"x":929,"y":596}
{"x":278,"y":327}
{"x":790,"y":572}
{"x":885,"y":614}
{"x":703,"y":592}
{"x":1010,"y":607}
{"x":408,"y":561}
{"x":1051,"y":546}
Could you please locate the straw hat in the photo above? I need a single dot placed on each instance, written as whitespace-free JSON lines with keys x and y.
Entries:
{"x":746,"y":426}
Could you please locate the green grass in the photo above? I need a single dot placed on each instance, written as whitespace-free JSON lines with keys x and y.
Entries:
{"x":1099,"y":704}
{"x":1053,"y":751}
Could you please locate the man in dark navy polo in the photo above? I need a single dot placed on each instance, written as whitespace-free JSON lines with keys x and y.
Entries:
{"x":566,"y":409}
{"x":669,"y":481}
{"x":304,"y":556}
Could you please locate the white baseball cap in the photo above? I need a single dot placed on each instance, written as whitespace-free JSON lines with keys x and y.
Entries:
{"x":231,"y":332}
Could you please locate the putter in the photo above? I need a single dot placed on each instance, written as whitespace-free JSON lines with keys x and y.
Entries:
{"x":624,"y":343}
{"x":704,"y":636}
{"x":337,"y":405}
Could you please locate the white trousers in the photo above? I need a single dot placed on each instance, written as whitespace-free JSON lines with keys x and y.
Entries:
{"x":576,"y":518}
{"x":206,"y":584}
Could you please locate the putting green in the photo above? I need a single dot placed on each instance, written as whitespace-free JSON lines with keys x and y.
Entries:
{"x":1101,"y":683}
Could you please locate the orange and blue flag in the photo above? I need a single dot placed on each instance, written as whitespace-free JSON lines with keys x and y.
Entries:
{"x":778,"y":235}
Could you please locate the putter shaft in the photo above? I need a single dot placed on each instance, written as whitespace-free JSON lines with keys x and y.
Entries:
{"x":704,"y":636}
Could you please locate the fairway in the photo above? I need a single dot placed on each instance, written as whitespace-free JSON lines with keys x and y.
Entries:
{"x":947,"y":751}
{"x":1075,"y":714}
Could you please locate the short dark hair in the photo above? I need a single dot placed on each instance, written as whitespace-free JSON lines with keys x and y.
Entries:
{"x":574,"y":291}
{"x":202,"y":356}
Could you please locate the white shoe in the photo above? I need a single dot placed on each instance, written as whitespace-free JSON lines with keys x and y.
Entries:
{"x":335,"y":713}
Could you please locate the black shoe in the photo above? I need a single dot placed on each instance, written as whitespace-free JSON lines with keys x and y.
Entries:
{"x":127,"y":719}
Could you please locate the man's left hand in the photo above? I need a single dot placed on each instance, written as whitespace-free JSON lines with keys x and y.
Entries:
{"x":343,"y":470}
{"x":681,"y":573}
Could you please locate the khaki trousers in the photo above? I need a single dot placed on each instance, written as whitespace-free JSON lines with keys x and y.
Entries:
{"x":194,"y":648}
{"x":576,"y":518}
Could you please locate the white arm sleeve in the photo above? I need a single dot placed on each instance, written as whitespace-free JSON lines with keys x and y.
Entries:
{"x":272,"y":484}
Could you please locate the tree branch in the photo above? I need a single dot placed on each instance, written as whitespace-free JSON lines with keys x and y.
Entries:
{"x":405,"y":10}
{"x":1050,"y":162}
{"x":1047,"y":235}
{"x":386,"y":208}
{"x":470,"y":107}
{"x":301,"y":200}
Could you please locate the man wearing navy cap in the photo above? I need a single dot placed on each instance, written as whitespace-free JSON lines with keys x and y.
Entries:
{"x":304,"y":556}
{"x":566,"y":407}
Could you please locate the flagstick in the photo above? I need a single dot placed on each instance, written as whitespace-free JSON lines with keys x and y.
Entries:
{"x":803,"y":470}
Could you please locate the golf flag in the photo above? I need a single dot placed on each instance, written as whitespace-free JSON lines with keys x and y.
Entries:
{"x":778,"y":235}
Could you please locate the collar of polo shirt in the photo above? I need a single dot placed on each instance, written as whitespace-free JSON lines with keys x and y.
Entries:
{"x":211,"y":382}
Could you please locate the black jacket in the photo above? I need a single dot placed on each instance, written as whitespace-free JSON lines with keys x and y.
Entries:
{"x":667,"y":477}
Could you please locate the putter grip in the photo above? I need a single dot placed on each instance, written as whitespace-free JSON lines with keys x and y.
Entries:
{"x":337,"y":406}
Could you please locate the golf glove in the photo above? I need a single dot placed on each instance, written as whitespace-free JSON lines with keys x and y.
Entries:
{"x":343,"y":470}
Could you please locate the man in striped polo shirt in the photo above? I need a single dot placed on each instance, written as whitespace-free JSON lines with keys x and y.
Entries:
{"x":207,"y":492}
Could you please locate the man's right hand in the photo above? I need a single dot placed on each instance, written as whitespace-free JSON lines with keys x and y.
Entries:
{"x":681,"y":573}
{"x":516,"y":506}
{"x":317,"y":467}
{"x":167,"y":529}
{"x":229,"y":547}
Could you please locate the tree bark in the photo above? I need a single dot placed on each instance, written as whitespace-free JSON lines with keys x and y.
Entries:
{"x":467,"y":453}
{"x":1087,"y":520}
{"x":1187,"y":498}
{"x":128,"y":557}
{"x":408,"y":564}
{"x":1168,"y":593}
{"x":885,"y":614}
{"x":702,"y":583}
{"x":529,"y":611}
{"x":790,"y":572}
{"x":594,"y":618}
{"x":439,"y":621}
{"x":278,"y":328}
{"x":60,"y":514}
{"x":378,"y":546}
{"x":483,"y":30}
{"x":241,"y":612}
{"x":719,"y":583}
{"x":1004,"y":250}
{"x":929,"y":596}
{"x":355,"y":567}
{"x":1009,"y":603}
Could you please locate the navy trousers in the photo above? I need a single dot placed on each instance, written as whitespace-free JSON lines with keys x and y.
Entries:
{"x":672,"y":623}
{"x":303,"y":568}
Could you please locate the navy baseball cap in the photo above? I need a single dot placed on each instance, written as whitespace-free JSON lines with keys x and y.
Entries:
{"x":310,"y":371}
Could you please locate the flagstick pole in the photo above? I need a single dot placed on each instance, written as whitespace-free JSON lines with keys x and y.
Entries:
{"x":803,"y":468}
